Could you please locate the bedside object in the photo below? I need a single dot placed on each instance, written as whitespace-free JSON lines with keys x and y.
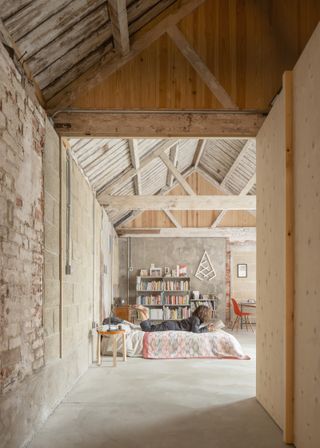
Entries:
{"x":113,"y":334}
{"x":123,"y":312}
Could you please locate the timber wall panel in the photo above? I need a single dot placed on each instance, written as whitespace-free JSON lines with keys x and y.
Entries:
{"x":270,"y":262}
{"x":306,"y":82}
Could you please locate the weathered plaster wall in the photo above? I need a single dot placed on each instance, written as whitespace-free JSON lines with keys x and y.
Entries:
{"x":243,"y":288}
{"x":270,"y":262}
{"x":170,"y":252}
{"x":306,"y":113}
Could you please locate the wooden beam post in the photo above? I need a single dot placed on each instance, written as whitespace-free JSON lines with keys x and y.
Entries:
{"x":135,"y":160}
{"x":184,"y":184}
{"x":289,"y":263}
{"x":199,"y":151}
{"x":119,"y":24}
{"x":201,"y":68}
{"x":174,"y":155}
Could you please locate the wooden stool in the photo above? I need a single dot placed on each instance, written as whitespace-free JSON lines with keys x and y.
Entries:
{"x":113,"y":334}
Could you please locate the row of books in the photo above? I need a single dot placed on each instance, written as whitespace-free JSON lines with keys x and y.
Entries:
{"x":145,"y":285}
{"x":176,"y":313}
{"x":176,"y":285}
{"x":150,"y":300}
{"x":156,"y":314}
{"x":160,"y":300}
{"x":177,"y":300}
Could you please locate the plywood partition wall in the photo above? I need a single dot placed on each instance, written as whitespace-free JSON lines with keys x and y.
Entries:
{"x":306,"y":106}
{"x":271,"y":261}
{"x":288,"y":248}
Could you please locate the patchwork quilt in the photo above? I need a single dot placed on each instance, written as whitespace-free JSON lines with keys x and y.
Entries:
{"x":183,"y":344}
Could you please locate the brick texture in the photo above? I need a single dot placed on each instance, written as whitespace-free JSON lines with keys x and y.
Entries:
{"x":22,"y":135}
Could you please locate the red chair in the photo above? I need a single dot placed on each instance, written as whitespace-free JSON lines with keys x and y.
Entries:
{"x":240,"y":314}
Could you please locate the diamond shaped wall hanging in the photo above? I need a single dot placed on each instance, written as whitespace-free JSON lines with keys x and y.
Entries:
{"x":205,"y":269}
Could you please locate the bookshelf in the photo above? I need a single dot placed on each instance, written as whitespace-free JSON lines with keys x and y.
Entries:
{"x":168,"y":298}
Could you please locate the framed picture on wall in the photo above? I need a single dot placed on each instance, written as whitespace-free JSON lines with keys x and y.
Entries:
{"x":242,"y":270}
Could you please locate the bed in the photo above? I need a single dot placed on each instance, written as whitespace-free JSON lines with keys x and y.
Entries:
{"x":176,"y":344}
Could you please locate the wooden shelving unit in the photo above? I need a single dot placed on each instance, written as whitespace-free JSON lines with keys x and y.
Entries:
{"x":170,"y":302}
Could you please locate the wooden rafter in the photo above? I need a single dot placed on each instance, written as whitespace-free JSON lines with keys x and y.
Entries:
{"x":129,"y":174}
{"x":237,"y":162}
{"x":134,"y":154}
{"x":202,"y":202}
{"x":201,"y":68}
{"x":33,"y":88}
{"x":101,"y":70}
{"x":175,"y":172}
{"x":174,"y":155}
{"x":199,"y":151}
{"x":119,"y":24}
{"x":172,"y":218}
{"x":245,"y":190}
{"x":156,"y":124}
{"x":135,"y":213}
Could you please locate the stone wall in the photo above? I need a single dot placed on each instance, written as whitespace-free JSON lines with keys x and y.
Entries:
{"x":22,"y":132}
{"x":46,"y":316}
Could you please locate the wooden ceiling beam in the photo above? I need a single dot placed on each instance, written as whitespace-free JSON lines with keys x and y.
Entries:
{"x":174,"y":171}
{"x":135,"y":160}
{"x":155,"y":124}
{"x":245,"y":190}
{"x":119,"y":24}
{"x":201,"y":202}
{"x":129,"y":174}
{"x":201,"y":68}
{"x":233,"y":233}
{"x":142,"y":41}
{"x":199,"y":151}
{"x":163,"y":191}
{"x":172,"y":218}
{"x":174,"y":155}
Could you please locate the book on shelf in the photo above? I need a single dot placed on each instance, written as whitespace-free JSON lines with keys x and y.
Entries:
{"x":150,"y":300}
{"x":149,"y":285}
{"x":176,"y":313}
{"x":176,"y":285}
{"x":177,"y":300}
{"x":156,"y":314}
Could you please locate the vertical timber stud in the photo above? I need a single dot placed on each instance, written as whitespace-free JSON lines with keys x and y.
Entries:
{"x":289,"y":260}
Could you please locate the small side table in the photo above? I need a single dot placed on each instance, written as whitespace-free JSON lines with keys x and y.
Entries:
{"x":113,"y":334}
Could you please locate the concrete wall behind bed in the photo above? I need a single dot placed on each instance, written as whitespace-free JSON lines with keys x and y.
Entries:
{"x":170,"y":252}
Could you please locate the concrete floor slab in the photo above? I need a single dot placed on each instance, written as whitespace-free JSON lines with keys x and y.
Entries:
{"x":164,"y":403}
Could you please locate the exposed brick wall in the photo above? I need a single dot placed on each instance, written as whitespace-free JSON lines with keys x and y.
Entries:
{"x":22,"y":132}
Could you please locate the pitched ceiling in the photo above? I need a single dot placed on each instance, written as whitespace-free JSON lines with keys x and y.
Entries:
{"x":108,"y":165}
{"x":59,"y":40}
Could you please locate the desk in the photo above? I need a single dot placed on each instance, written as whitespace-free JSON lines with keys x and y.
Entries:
{"x":246,"y":305}
{"x":113,"y":334}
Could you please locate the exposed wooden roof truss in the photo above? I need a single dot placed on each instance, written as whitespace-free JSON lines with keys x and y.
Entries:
{"x":113,"y":166}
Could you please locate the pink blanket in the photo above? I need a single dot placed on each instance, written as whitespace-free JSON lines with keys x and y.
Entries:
{"x":184,"y":344}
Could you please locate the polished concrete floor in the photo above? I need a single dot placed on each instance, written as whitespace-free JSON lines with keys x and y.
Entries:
{"x":164,"y":404}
